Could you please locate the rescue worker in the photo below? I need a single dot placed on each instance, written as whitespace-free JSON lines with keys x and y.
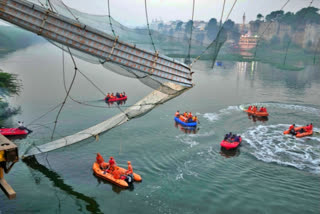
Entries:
{"x":130,"y":169}
{"x":250,"y":107}
{"x":185,"y":114}
{"x":112,"y":164}
{"x":101,"y":162}
{"x":117,"y":95}
{"x":261,"y":109}
{"x":108,"y":96}
{"x":116,"y":174}
{"x":254,"y":109}
{"x":190,"y":115}
{"x":177,"y":114}
{"x":291,"y":129}
{"x":124,"y":94}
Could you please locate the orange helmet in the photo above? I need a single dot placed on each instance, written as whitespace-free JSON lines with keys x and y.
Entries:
{"x":111,"y":157}
{"x":129,"y":162}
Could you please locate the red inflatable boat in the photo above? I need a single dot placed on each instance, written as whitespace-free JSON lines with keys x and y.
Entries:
{"x":13,"y":131}
{"x":230,"y":145}
{"x":116,"y":99}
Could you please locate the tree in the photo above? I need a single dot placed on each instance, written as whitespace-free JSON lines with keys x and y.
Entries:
{"x":179,"y":25}
{"x":259,"y":16}
{"x":212,"y":28}
{"x":275,"y":15}
{"x":188,"y":26}
{"x":229,"y":25}
{"x":308,"y":15}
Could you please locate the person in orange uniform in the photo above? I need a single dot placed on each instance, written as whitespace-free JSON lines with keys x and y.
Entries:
{"x":177,"y":114}
{"x":250,"y":107}
{"x":116,"y":174}
{"x":130,"y":169}
{"x":112,"y":96}
{"x":100,"y":161}
{"x":254,"y":109}
{"x":112,"y":164}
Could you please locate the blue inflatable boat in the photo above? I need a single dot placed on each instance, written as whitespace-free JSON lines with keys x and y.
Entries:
{"x":192,"y":124}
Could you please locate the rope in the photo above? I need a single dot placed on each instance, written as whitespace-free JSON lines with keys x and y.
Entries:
{"x":64,"y":101}
{"x":114,"y":34}
{"x":224,"y":3}
{"x":146,"y":10}
{"x":188,"y":57}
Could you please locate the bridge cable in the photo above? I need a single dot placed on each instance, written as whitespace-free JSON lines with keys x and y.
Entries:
{"x":187,"y":60}
{"x":146,"y":11}
{"x":70,"y":87}
{"x":109,"y":14}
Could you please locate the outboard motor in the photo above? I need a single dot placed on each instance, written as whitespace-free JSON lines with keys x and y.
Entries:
{"x":129,"y":179}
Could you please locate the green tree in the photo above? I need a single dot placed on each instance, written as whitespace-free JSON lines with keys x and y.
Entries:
{"x":179,"y":25}
{"x":212,"y":28}
{"x":275,"y":16}
{"x":259,"y":16}
{"x":308,"y":15}
{"x":188,"y":26}
{"x":228,"y":25}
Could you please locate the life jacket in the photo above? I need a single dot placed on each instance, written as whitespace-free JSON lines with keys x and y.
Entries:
{"x":116,"y":174}
{"x":291,"y":127}
{"x":250,"y":107}
{"x":189,"y":115}
{"x":177,"y":114}
{"x":99,"y":159}
{"x":261,"y":109}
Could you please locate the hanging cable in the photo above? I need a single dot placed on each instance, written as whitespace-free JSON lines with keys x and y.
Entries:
{"x":224,"y":3}
{"x":114,"y":34}
{"x":146,"y":10}
{"x":64,"y":101}
{"x":187,"y":60}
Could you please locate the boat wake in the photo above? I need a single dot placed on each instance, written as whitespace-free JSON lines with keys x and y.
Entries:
{"x":191,"y":138}
{"x":267,"y":143}
{"x":212,"y":117}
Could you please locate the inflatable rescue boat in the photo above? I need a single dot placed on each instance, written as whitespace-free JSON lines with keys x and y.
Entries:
{"x":109,"y":176}
{"x":13,"y":131}
{"x":230,"y":145}
{"x":116,"y":99}
{"x":182,"y":120}
{"x":298,"y":133}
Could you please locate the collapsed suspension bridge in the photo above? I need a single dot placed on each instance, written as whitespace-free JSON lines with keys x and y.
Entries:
{"x":171,"y":76}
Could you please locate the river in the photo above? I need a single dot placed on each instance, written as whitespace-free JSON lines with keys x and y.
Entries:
{"x":182,"y":171}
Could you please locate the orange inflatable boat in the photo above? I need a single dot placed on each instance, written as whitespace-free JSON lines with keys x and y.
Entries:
{"x":109,"y":177}
{"x":297,"y":129}
{"x":257,"y":113}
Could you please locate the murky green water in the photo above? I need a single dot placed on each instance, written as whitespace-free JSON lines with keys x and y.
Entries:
{"x":182,"y":172}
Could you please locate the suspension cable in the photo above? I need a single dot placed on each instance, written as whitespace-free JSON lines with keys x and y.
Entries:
{"x":146,"y":10}
{"x":109,"y":14}
{"x":64,"y":101}
{"x":189,"y":50}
